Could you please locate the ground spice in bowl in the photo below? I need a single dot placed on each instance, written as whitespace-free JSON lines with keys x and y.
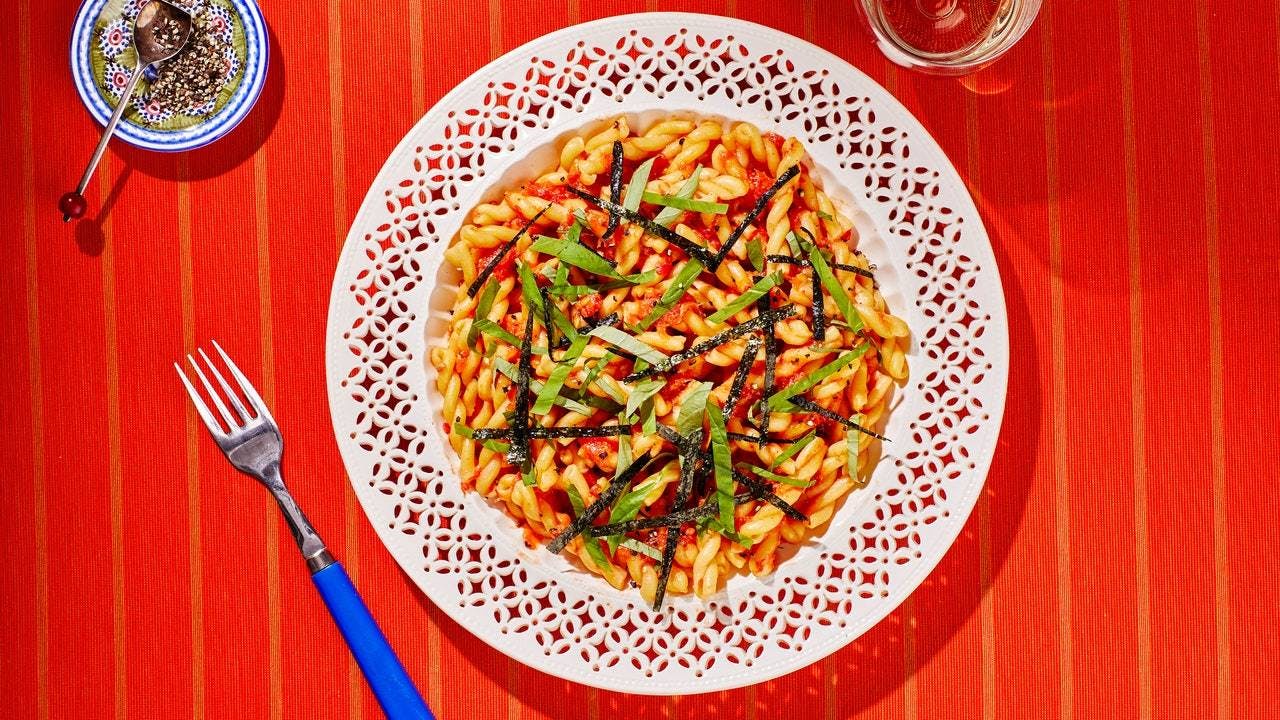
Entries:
{"x":195,"y":76}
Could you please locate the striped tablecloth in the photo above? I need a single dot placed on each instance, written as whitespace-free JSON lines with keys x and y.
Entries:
{"x":1121,"y":564}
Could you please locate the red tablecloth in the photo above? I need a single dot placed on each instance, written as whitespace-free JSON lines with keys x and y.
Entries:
{"x":1121,"y":564}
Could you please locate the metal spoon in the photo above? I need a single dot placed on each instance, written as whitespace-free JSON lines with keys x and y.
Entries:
{"x":160,"y":31}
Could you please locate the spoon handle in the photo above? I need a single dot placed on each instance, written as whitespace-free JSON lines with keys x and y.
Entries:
{"x":110,"y":129}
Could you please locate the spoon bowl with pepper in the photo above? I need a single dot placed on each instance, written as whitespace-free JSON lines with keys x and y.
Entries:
{"x":160,"y":31}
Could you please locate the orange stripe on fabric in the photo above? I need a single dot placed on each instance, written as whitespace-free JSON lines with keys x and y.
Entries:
{"x":1217,"y":432}
{"x":196,"y":569}
{"x":337,"y":165}
{"x":829,"y":699}
{"x":910,"y":702}
{"x":33,"y":361}
{"x":417,"y":79}
{"x":267,"y":388}
{"x":986,"y":609}
{"x":1057,"y":313}
{"x":114,"y":461}
{"x":1136,"y":375}
{"x":495,"y":28}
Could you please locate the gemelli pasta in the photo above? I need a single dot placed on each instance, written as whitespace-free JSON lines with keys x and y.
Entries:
{"x":667,"y":358}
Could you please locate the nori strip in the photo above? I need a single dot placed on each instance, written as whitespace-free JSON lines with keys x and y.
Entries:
{"x":518,"y":453}
{"x":615,"y":187}
{"x":762,"y":491}
{"x":751,"y":216}
{"x":674,"y":519}
{"x":740,"y":377}
{"x":756,"y":438}
{"x":819,"y":309}
{"x":546,"y":433}
{"x":497,"y":259}
{"x":788,"y":260}
{"x":770,"y":366}
{"x":813,"y":407}
{"x":715,"y":341}
{"x":546,"y":322}
{"x":606,"y":499}
{"x":691,"y":248}
{"x":758,"y":490}
{"x":687,"y":470}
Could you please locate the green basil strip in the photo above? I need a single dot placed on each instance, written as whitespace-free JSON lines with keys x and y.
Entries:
{"x":769,"y":475}
{"x":723,"y":466}
{"x":755,"y":253}
{"x":573,"y":252}
{"x":536,"y":387}
{"x":825,"y":215}
{"x":795,"y":244}
{"x":620,"y":339}
{"x":693,"y":408}
{"x":669,"y":214}
{"x":483,"y":306}
{"x":635,"y":188}
{"x":778,"y":400}
{"x":641,"y":392}
{"x":851,"y":439}
{"x":650,"y":418}
{"x":489,"y":327}
{"x":643,"y":548}
{"x":592,"y":544}
{"x":676,"y":290}
{"x":529,"y":289}
{"x":746,"y":299}
{"x":526,"y":474}
{"x":573,"y":292}
{"x":679,"y":203}
{"x":550,"y":390}
{"x":794,"y":448}
{"x":494,"y":445}
{"x":834,"y":288}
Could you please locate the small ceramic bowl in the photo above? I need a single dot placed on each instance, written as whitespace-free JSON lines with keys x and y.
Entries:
{"x":102,"y":59}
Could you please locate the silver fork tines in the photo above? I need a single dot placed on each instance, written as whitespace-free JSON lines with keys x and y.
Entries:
{"x":252,"y":444}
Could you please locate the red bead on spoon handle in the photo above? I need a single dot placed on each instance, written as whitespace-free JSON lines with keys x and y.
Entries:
{"x":160,"y":31}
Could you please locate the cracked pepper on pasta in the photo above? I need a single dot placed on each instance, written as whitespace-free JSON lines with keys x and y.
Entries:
{"x":663,"y":351}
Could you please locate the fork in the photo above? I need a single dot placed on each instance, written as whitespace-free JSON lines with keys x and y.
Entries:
{"x":253,"y":445}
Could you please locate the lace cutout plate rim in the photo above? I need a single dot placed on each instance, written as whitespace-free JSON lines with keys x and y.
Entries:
{"x":917,"y":222}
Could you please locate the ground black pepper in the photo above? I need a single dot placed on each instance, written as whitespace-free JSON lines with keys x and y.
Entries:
{"x":195,"y":76}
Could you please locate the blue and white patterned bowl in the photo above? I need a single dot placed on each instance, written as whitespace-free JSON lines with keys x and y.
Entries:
{"x":85,"y":41}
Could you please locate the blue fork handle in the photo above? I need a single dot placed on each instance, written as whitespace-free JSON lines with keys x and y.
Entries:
{"x":382,"y":669}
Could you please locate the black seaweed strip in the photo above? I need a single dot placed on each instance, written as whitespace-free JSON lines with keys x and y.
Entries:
{"x":787,"y":259}
{"x":589,"y":325}
{"x":819,"y":309}
{"x":691,"y":248}
{"x":740,"y":377}
{"x":518,"y":453}
{"x":606,"y":499}
{"x":770,"y":366}
{"x":547,"y":433}
{"x":751,"y":216}
{"x":674,"y":519}
{"x":715,"y":341}
{"x":546,"y":322}
{"x":854,"y":269}
{"x":756,"y":438}
{"x":811,"y":406}
{"x":615,"y":187}
{"x":762,"y":491}
{"x":687,"y":470}
{"x":496,"y":259}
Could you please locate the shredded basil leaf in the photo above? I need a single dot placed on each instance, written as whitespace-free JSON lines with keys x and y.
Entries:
{"x":834,"y":288}
{"x":679,"y":203}
{"x":641,"y":392}
{"x":591,"y":544}
{"x":483,"y":306}
{"x":643,"y":548}
{"x":825,"y":215}
{"x":635,"y":188}
{"x":755,"y":253}
{"x":778,"y":400}
{"x":770,"y":475}
{"x":676,"y":290}
{"x":555,"y":381}
{"x":669,"y":214}
{"x":753,"y":293}
{"x":620,"y":339}
{"x":851,"y":440}
{"x":536,"y":387}
{"x":794,"y":448}
{"x":489,"y":327}
{"x":692,"y":408}
{"x":723,"y":465}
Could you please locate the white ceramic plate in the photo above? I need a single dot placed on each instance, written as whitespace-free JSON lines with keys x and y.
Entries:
{"x":391,"y":296}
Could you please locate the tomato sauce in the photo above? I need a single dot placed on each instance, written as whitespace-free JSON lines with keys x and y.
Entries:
{"x":504,"y":270}
{"x":550,"y":193}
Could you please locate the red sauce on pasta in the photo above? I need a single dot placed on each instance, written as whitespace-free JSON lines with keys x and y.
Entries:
{"x":505,"y":269}
{"x":552,"y":193}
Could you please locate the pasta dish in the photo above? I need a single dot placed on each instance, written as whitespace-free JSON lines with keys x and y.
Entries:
{"x":667,"y":358}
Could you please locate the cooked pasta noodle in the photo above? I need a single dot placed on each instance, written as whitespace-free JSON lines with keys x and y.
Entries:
{"x":709,"y":177}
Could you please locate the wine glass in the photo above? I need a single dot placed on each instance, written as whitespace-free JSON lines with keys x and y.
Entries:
{"x":948,"y":37}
